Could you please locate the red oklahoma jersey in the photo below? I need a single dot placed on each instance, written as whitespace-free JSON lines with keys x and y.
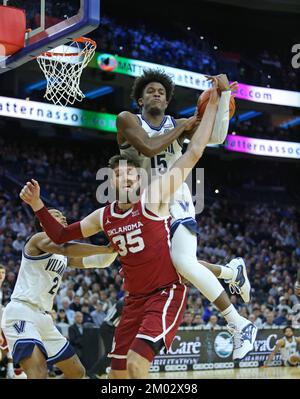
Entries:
{"x":143,"y":243}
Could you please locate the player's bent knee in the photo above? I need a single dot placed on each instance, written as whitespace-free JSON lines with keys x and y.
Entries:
{"x":35,"y":365}
{"x":72,"y":368}
{"x":76,"y":373}
{"x":183,"y":263}
{"x":177,"y":259}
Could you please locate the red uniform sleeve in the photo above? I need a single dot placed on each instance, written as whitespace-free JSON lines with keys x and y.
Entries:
{"x":58,"y":233}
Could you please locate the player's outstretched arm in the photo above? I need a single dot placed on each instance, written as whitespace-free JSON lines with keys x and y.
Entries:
{"x":169,"y":183}
{"x":221,"y":124}
{"x":135,"y":135}
{"x":71,"y":249}
{"x":93,"y":262}
{"x":59,"y":234}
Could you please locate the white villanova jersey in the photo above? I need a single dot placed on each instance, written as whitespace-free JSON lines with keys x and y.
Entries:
{"x":39,"y":279}
{"x":290,"y":348}
{"x":161,"y":161}
{"x":181,"y":205}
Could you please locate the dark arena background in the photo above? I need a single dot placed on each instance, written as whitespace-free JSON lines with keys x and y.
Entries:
{"x":251,"y":181}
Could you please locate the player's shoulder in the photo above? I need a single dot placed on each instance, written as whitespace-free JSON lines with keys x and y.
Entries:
{"x":31,"y":247}
{"x":126,"y":115}
{"x":33,"y":242}
{"x":36,"y":237}
{"x":123,"y":114}
{"x":280,"y":342}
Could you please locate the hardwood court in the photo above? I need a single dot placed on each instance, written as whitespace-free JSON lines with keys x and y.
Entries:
{"x":246,"y":373}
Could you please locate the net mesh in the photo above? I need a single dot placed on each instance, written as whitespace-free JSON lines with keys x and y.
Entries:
{"x":63,"y":68}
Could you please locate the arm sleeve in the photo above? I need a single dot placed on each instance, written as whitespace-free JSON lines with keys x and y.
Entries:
{"x":220,"y":129}
{"x":99,"y":261}
{"x":58,"y":233}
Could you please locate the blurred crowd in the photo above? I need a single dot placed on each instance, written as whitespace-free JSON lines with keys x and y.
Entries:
{"x":142,"y":43}
{"x":194,"y":52}
{"x":262,"y":127}
{"x":176,"y":45}
{"x":267,"y":236}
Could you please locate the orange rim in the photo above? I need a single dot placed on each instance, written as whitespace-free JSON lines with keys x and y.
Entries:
{"x":79,"y":40}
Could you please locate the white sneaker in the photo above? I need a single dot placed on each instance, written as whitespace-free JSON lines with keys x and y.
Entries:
{"x":21,"y":376}
{"x":239,"y":284}
{"x":243,"y":339}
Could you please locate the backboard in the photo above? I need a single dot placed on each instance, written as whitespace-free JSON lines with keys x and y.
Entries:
{"x":50,"y":24}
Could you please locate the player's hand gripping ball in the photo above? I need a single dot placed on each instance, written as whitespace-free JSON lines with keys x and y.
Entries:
{"x":203,"y":101}
{"x":222,"y":84}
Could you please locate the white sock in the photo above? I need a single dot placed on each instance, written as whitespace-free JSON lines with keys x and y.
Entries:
{"x":183,"y":253}
{"x":231,"y":316}
{"x":10,"y":367}
{"x":226,"y":273}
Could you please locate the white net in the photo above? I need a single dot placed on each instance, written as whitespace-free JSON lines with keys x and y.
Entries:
{"x":63,"y":67}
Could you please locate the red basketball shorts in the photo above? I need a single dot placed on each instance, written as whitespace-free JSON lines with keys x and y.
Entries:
{"x":150,"y":318}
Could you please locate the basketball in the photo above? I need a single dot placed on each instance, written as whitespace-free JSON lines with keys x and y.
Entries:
{"x":203,"y":100}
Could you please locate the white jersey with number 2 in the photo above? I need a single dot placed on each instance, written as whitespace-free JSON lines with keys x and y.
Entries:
{"x":39,"y":279}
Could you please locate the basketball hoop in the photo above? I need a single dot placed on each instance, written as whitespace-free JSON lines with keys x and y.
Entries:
{"x":63,"y":67}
